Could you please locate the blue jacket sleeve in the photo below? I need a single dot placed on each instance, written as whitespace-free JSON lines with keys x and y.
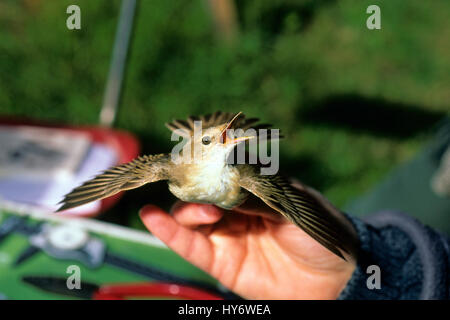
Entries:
{"x":413,"y":260}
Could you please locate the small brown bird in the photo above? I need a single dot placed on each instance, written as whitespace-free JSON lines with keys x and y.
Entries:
{"x":212,"y":179}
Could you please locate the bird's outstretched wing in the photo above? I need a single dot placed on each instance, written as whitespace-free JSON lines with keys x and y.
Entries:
{"x":186,"y":127}
{"x":301,"y":208}
{"x":127,"y":176}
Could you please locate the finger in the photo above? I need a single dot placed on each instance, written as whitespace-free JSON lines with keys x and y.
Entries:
{"x":195,"y":214}
{"x":257,"y":207}
{"x":189,"y":244}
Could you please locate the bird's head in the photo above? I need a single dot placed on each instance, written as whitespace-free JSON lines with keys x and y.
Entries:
{"x":218,"y":141}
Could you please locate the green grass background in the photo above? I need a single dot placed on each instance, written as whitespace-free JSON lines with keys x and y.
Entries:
{"x":353,"y":103}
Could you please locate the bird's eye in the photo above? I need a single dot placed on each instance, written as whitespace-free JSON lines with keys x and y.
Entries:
{"x":206,"y":140}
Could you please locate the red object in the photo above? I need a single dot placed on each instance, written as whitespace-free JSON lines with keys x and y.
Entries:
{"x":125,"y":144}
{"x":148,"y":290}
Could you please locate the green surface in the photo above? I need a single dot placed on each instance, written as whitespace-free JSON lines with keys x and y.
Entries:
{"x":12,"y":287}
{"x":353,"y":103}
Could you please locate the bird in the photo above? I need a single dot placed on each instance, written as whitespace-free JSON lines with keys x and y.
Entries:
{"x":211,"y":178}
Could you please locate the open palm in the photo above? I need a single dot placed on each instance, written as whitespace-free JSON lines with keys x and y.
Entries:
{"x":251,"y":250}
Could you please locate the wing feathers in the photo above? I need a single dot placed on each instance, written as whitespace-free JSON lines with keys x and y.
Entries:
{"x":301,"y":208}
{"x":127,"y":176}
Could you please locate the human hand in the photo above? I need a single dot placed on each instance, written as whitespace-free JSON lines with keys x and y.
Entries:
{"x":252,"y":250}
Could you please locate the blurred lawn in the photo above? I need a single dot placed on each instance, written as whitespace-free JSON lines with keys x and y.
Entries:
{"x":352,"y":102}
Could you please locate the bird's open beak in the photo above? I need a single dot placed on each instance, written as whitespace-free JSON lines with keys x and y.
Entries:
{"x":237,"y":140}
{"x":224,"y":137}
